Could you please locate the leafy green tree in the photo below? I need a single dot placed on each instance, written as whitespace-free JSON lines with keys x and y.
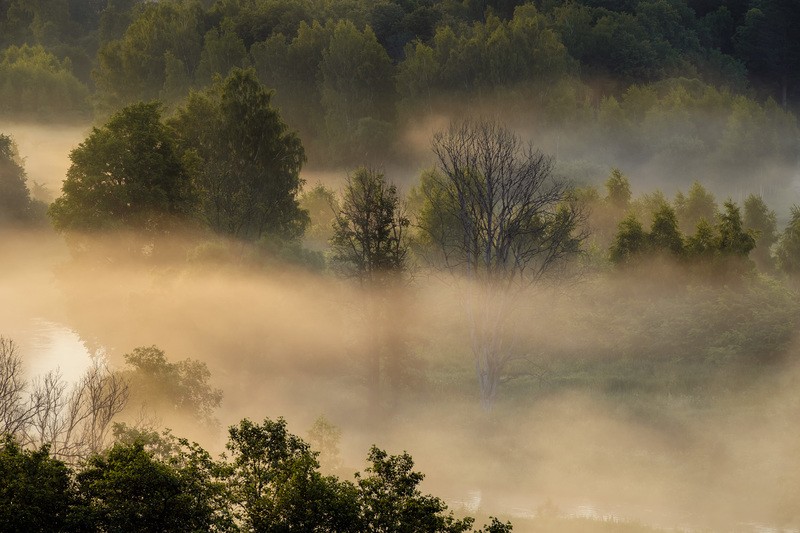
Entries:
{"x":246,"y":160}
{"x":182,"y":388}
{"x":734,"y":240}
{"x":289,"y":66}
{"x":275,"y":484}
{"x":321,"y":204}
{"x":618,"y":190}
{"x":126,"y":175}
{"x":702,"y":245}
{"x":36,"y":83}
{"x":699,"y":203}
{"x":134,"y":67}
{"x":762,"y":221}
{"x":223,"y":50}
{"x":370,"y":245}
{"x":176,"y":80}
{"x":664,"y":233}
{"x":391,"y":502}
{"x":788,"y":250}
{"x":36,"y":493}
{"x":127,"y":489}
{"x":16,"y":205}
{"x":630,"y":241}
{"x":369,"y":238}
{"x":356,"y":82}
{"x":768,"y":43}
{"x":324,"y":437}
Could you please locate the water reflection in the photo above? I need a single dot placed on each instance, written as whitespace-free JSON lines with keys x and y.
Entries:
{"x":49,"y":346}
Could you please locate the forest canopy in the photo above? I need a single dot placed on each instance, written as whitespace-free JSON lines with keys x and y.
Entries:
{"x":708,"y":85}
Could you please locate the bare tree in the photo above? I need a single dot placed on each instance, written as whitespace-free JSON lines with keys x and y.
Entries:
{"x":93,"y":402}
{"x":48,"y":424}
{"x":73,"y":422}
{"x":502,"y":219}
{"x":15,"y":408}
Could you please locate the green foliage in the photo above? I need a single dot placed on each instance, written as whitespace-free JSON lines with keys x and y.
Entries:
{"x":355,"y":89}
{"x":664,"y":233}
{"x":486,"y":55}
{"x":181,"y":387}
{"x":126,"y":175}
{"x":135,"y":66}
{"x":369,"y":232}
{"x":289,"y":65}
{"x":324,"y":437}
{"x":762,"y":222}
{"x":16,"y":206}
{"x":246,"y":160}
{"x":391,"y":501}
{"x":734,"y":240}
{"x":321,"y":205}
{"x":699,"y":204}
{"x":35,"y":83}
{"x":788,"y":251}
{"x":435,"y":224}
{"x":276,"y":485}
{"x":36,"y":493}
{"x":223,"y":50}
{"x":127,"y":489}
{"x":703,"y":243}
{"x":630,"y":241}
{"x":714,"y":250}
{"x":618,"y":190}
{"x":768,"y":45}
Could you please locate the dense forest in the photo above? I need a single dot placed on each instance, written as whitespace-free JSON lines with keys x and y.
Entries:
{"x":551,"y":247}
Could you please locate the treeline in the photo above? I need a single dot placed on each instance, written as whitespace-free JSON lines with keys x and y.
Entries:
{"x":349,"y":76}
{"x":68,"y":464}
{"x":691,"y":229}
{"x":269,"y":481}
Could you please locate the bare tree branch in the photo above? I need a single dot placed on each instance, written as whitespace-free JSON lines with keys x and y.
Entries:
{"x":503,"y":220}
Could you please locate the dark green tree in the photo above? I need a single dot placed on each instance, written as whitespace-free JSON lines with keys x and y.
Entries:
{"x":134,"y":67}
{"x":276,"y":486}
{"x":618,"y":190}
{"x":630,"y":241}
{"x":762,"y":221}
{"x":702,"y":245}
{"x":370,"y":245}
{"x":36,"y":492}
{"x":321,"y":204}
{"x":369,"y":236}
{"x":16,"y":205}
{"x":697,"y":204}
{"x":391,"y":502}
{"x":126,"y":175}
{"x":767,"y":41}
{"x":38,"y":84}
{"x":223,"y":50}
{"x":788,"y":251}
{"x":664,"y":233}
{"x":734,"y":239}
{"x":246,"y":160}
{"x":127,"y":489}
{"x":356,"y":84}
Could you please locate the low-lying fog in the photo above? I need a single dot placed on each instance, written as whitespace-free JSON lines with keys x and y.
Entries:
{"x":289,"y":344}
